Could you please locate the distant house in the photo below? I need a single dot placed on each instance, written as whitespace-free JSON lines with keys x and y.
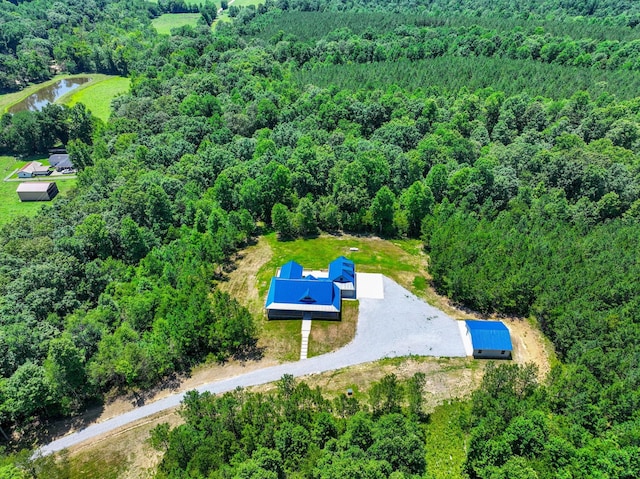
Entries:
{"x":34,"y":168}
{"x":490,"y":339}
{"x":60,"y":161}
{"x":37,"y":191}
{"x":292,"y":294}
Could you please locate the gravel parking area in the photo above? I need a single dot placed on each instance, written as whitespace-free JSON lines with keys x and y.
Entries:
{"x":401,"y":324}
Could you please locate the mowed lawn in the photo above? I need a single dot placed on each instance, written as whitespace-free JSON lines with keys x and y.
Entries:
{"x":10,"y":204}
{"x":245,"y":3}
{"x":398,"y":259}
{"x":164,"y":23}
{"x":97,"y":96}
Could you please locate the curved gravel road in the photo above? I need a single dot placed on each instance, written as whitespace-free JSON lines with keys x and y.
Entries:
{"x":401,"y":324}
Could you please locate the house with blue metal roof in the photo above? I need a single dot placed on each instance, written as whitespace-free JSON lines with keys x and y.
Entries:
{"x":298,"y":298}
{"x":490,"y":339}
{"x":296,"y":294}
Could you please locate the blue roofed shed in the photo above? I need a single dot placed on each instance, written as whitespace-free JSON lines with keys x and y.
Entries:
{"x":490,"y":339}
{"x":295,"y":298}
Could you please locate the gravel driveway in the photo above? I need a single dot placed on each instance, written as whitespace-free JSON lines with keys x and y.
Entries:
{"x":401,"y":324}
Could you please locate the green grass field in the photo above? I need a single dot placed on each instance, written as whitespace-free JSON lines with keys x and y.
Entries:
{"x":97,"y":95}
{"x":10,"y":205}
{"x":245,"y":3}
{"x":398,"y":259}
{"x":224,"y":15}
{"x":164,"y":23}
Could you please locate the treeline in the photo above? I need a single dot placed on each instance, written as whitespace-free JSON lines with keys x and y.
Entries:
{"x":519,"y":428}
{"x":379,"y":40}
{"x":214,"y":136}
{"x":516,"y":428}
{"x":177,"y":6}
{"x":528,"y":204}
{"x":39,"y":38}
{"x":625,"y":13}
{"x":438,"y":76}
{"x":29,"y":132}
{"x":80,"y":319}
{"x":297,"y":432}
{"x":207,"y":9}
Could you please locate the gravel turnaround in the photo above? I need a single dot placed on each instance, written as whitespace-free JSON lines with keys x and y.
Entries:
{"x":401,"y":324}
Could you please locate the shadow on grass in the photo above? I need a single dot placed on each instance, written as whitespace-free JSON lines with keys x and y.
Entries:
{"x":249,"y":353}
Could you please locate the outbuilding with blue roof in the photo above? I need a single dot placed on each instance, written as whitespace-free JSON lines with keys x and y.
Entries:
{"x":490,"y":339}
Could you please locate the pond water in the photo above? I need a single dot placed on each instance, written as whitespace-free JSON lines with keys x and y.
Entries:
{"x":48,"y":94}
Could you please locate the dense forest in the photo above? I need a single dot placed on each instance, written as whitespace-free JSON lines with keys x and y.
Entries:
{"x":297,"y":432}
{"x":39,"y":38}
{"x":503,"y":134}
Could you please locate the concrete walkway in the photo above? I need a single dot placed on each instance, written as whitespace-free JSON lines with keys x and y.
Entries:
{"x":306,"y":331}
{"x":401,"y":324}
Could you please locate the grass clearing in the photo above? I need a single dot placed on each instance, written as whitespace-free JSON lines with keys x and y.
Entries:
{"x":401,"y":260}
{"x":246,"y":3}
{"x":10,"y":205}
{"x":446,"y":378}
{"x":374,"y":255}
{"x":164,"y":23}
{"x":122,"y":454}
{"x":97,"y":96}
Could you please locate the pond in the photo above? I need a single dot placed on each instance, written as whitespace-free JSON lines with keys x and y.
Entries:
{"x":48,"y":94}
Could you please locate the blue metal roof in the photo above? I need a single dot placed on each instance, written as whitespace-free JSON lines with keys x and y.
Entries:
{"x":303,"y":292}
{"x":342,"y":270}
{"x":291,"y":270}
{"x":492,"y":335}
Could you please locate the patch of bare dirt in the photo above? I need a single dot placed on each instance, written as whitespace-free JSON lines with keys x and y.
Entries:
{"x":530,"y":345}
